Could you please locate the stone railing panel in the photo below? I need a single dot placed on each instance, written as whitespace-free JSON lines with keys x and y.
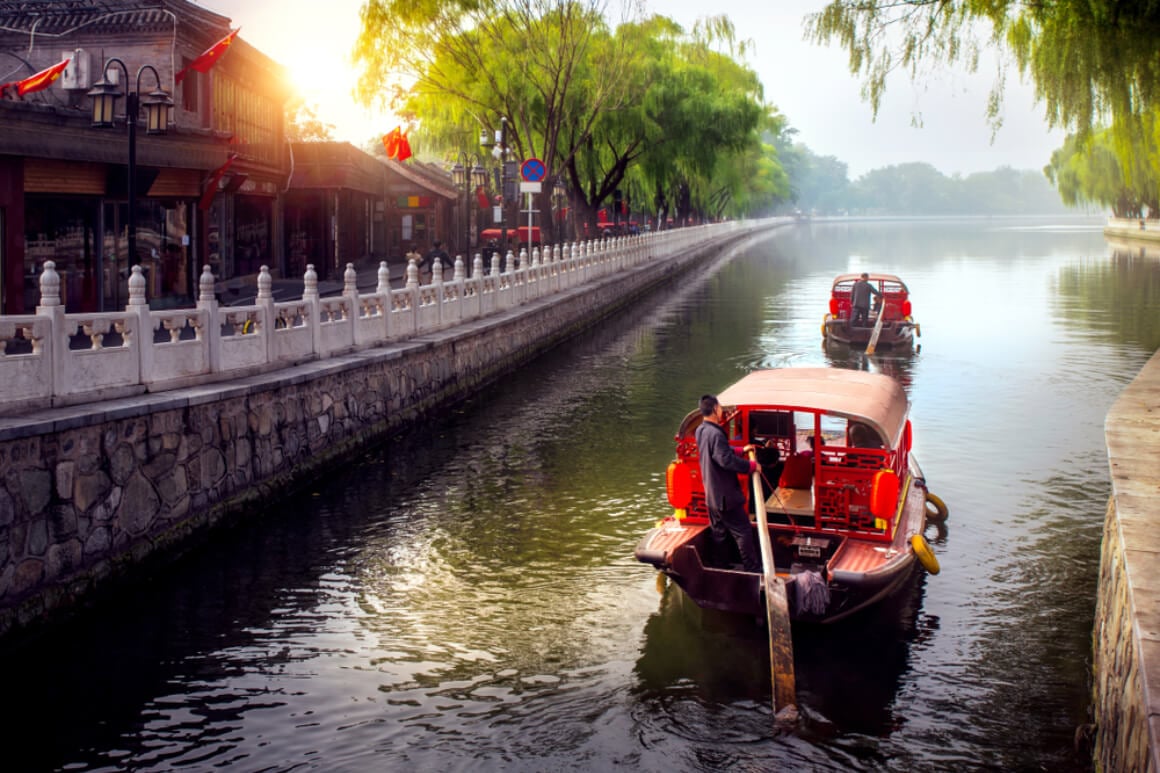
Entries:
{"x":336,"y":326}
{"x":293,"y":338}
{"x":182,"y":352}
{"x":97,"y":353}
{"x":25,"y":360}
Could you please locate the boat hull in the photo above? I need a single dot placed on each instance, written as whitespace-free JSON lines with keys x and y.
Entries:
{"x":856,"y":573}
{"x":895,"y":333}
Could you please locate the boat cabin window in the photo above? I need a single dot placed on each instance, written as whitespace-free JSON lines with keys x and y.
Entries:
{"x":772,"y":425}
{"x":862,"y":436}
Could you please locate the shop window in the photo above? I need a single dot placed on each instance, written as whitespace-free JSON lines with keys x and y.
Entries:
{"x":305,"y":234}
{"x":189,"y":88}
{"x":62,"y":230}
{"x":252,"y":219}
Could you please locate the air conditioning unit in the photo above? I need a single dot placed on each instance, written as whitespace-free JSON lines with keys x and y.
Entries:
{"x":78,"y":74}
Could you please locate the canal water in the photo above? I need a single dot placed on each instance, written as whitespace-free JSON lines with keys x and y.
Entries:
{"x":464,"y":596}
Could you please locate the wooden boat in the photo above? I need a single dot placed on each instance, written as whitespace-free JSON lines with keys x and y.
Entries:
{"x":846,"y":518}
{"x":892,"y":307}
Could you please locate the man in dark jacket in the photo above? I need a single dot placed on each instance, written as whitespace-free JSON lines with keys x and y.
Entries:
{"x":436,"y":251}
{"x":860,"y":300}
{"x":723,"y":495}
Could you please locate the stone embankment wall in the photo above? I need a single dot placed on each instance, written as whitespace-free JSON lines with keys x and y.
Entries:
{"x":88,"y":493}
{"x":1126,"y":636}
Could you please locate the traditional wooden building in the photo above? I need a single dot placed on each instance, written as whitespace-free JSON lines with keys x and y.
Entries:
{"x":422,"y":202}
{"x":207,"y":191}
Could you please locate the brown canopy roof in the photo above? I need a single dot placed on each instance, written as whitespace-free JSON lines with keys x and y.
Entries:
{"x":874,"y":277}
{"x":871,"y":398}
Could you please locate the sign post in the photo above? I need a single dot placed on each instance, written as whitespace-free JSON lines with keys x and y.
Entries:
{"x":532,"y":171}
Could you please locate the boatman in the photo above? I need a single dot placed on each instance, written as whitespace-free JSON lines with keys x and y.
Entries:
{"x":860,"y":300}
{"x":723,"y":495}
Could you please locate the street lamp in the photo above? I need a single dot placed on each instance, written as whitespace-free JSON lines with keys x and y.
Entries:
{"x":474,"y":177}
{"x":156,"y":103}
{"x":499,"y":150}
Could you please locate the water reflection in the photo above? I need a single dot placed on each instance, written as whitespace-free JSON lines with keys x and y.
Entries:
{"x":848,"y":674}
{"x":464,"y":595}
{"x":898,"y":363}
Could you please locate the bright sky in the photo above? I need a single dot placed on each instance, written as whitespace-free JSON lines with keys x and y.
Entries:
{"x":808,"y":83}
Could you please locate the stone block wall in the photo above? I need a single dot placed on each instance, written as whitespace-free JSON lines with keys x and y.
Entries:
{"x":1121,"y":740}
{"x":88,"y":493}
{"x":1126,"y":635}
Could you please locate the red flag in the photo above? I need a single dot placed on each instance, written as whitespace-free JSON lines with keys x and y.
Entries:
{"x":211,"y":188}
{"x":208,"y":57}
{"x":42,"y":80}
{"x":404,"y":150}
{"x":391,"y":142}
{"x":395,"y":141}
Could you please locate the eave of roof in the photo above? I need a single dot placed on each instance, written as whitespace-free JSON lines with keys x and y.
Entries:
{"x":409,"y":173}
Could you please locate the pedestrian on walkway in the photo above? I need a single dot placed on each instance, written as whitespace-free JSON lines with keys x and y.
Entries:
{"x":437,"y":251}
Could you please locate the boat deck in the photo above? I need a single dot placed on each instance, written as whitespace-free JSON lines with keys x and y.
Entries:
{"x":792,"y":501}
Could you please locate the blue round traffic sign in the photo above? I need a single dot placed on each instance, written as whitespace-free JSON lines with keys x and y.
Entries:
{"x":533,"y":170}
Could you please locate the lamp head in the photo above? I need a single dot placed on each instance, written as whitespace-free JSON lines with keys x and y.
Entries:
{"x":157,"y":105}
{"x":104,"y":94}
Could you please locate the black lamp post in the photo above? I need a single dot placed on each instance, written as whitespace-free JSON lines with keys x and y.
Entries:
{"x":468,"y":178}
{"x":156,"y":103}
{"x":560,"y":199}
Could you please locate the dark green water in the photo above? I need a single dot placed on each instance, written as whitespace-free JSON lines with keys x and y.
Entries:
{"x":465,"y":597}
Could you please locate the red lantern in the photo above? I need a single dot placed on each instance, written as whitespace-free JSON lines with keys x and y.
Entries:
{"x":679,"y":484}
{"x":884,"y":494}
{"x":834,"y":306}
{"x":906,"y":308}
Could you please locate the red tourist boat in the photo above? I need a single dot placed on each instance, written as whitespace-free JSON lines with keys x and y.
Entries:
{"x":846,"y":502}
{"x":890,"y":320}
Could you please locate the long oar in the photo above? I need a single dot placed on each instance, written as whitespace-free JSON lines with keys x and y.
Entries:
{"x":877,"y":330}
{"x":776,"y":615}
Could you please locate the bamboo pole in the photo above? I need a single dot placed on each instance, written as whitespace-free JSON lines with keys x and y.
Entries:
{"x":777,"y":617}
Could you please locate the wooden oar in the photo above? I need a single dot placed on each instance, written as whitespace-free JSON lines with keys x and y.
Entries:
{"x":877,"y":330}
{"x":777,"y":617}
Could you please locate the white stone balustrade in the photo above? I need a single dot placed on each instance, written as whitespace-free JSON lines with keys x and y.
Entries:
{"x":53,"y":358}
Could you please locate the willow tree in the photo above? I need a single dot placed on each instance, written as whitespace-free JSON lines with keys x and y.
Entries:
{"x":694,"y":110}
{"x":1093,"y":62}
{"x":461,"y":66}
{"x":1088,"y":170}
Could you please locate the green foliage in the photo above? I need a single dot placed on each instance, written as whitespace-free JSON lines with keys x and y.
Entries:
{"x":918,"y":189}
{"x":1089,"y":170}
{"x":1093,"y":62}
{"x":661,"y":114}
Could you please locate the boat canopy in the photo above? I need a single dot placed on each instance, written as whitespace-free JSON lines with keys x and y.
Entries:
{"x":874,"y":277}
{"x":870,"y":398}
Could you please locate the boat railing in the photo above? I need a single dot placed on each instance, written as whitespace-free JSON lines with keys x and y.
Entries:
{"x":842,"y":488}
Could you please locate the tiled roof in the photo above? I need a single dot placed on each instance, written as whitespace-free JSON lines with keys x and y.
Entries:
{"x":58,"y":17}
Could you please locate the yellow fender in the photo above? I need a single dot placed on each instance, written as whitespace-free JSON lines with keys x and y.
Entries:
{"x":939,"y":513}
{"x":924,"y":554}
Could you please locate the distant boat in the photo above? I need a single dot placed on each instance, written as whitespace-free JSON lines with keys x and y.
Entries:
{"x":892,"y":306}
